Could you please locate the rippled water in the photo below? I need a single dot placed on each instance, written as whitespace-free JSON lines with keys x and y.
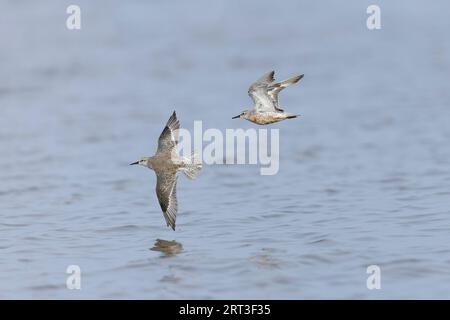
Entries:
{"x":364,"y":175}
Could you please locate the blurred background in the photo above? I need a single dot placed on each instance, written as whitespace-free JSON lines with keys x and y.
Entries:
{"x":364,"y":174}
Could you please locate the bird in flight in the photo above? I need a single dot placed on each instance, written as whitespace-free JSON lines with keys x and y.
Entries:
{"x":166,"y":162}
{"x":264,"y":94}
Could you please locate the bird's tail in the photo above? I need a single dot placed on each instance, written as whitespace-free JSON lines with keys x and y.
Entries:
{"x":192,"y":166}
{"x":292,"y":116}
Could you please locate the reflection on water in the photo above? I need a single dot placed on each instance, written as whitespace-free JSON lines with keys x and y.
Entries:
{"x":169,"y":248}
{"x":265,"y":259}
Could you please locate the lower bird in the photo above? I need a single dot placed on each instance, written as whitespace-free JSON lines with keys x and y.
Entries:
{"x":166,"y":162}
{"x":264,"y":94}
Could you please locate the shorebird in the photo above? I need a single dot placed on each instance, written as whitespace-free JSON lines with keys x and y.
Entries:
{"x":264,"y":94}
{"x":166,"y":162}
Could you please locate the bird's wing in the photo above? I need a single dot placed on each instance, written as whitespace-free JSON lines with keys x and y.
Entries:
{"x":259,"y":95}
{"x":275,"y":88}
{"x":166,"y":191}
{"x":168,"y":139}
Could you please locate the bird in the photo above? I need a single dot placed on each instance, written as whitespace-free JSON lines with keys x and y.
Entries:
{"x":266,"y":107}
{"x":166,"y":162}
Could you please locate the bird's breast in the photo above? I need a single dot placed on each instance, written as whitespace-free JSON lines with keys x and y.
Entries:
{"x":266,"y":117}
{"x":164,"y":163}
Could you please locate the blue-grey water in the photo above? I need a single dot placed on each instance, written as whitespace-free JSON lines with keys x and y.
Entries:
{"x":364,"y":173}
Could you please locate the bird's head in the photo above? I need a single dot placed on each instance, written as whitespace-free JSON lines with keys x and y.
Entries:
{"x":143,"y":162}
{"x":243,"y":115}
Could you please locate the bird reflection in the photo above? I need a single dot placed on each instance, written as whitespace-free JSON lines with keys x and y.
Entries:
{"x":168,"y":248}
{"x":265,"y":259}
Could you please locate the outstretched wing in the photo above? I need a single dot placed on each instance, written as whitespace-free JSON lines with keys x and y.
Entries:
{"x":259,"y":95}
{"x":275,"y":88}
{"x":166,"y":191}
{"x":168,"y":139}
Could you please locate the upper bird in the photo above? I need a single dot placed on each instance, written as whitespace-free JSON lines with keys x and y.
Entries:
{"x":264,"y":94}
{"x":166,"y":162}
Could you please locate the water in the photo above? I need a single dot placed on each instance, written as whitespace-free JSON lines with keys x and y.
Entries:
{"x":364,"y":175}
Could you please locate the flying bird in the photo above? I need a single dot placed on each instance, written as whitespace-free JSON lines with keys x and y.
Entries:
{"x":166,"y":162}
{"x":264,"y":94}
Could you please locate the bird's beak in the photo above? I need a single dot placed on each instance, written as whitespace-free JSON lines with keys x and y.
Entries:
{"x":137,"y":162}
{"x":238,"y":116}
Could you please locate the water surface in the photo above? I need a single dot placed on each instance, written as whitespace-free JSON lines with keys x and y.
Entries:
{"x":364,"y":174}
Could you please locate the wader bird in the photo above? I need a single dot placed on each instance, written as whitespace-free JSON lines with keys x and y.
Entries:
{"x":266,"y":107}
{"x":166,"y":162}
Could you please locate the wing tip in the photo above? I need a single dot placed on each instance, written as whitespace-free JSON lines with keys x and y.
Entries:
{"x":267,"y":77}
{"x":172,"y":226}
{"x":169,"y":221}
{"x":174,"y":115}
{"x":296,"y":78}
{"x":173,"y":121}
{"x":271,"y":76}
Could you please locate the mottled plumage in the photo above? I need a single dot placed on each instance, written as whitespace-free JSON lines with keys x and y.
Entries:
{"x":166,"y":162}
{"x":264,"y":94}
